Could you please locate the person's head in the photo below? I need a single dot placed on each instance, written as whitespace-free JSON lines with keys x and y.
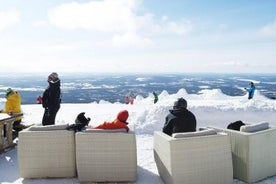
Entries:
{"x":81,"y":119}
{"x":251,"y":84}
{"x":9,"y":91}
{"x":122,"y":116}
{"x":181,"y":103}
{"x":53,"y":76}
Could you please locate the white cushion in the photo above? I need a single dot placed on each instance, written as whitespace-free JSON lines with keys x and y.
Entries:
{"x":194,"y":134}
{"x":95,"y":130}
{"x":255,"y":127}
{"x":48,"y":127}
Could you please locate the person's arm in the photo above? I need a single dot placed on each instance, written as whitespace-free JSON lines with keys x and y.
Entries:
{"x":106,"y":125}
{"x":8,"y":107}
{"x":248,"y":89}
{"x":45,"y":98}
{"x":168,"y":127}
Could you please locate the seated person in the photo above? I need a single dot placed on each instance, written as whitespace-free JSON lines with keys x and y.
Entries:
{"x":119,"y":122}
{"x":180,"y":119}
{"x":235,"y":125}
{"x":80,"y":123}
{"x":13,"y":106}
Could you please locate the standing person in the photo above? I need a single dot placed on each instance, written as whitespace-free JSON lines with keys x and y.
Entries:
{"x":51,"y":99}
{"x":127,"y":99}
{"x":131,"y":98}
{"x":13,"y":106}
{"x":180,"y":119}
{"x":155,"y":95}
{"x":250,"y":90}
{"x":39,"y":100}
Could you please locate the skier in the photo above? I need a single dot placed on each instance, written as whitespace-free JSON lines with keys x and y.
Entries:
{"x":250,"y":90}
{"x":155,"y":97}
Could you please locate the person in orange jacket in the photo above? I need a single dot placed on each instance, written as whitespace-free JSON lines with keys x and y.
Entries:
{"x":119,"y":122}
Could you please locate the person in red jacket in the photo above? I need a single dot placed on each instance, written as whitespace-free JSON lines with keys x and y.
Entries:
{"x":119,"y":122}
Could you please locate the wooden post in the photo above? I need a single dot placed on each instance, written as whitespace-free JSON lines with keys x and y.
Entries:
{"x":1,"y":137}
{"x":9,"y":132}
{"x":8,"y":121}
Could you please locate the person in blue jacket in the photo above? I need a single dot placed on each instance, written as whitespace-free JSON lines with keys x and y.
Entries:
{"x":250,"y":90}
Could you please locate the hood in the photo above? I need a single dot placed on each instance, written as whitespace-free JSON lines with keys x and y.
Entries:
{"x":178,"y":112}
{"x":14,"y":97}
{"x":122,"y":116}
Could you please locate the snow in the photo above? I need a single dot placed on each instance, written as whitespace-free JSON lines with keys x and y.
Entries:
{"x":211,"y":107}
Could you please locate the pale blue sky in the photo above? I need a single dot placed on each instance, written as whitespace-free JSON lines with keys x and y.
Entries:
{"x":152,"y":36}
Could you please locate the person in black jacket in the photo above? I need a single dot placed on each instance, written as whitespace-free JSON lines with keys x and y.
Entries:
{"x":51,"y":100}
{"x":180,"y":119}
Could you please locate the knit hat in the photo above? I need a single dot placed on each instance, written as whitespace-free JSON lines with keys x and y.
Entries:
{"x":122,"y":116}
{"x":8,"y":92}
{"x":81,"y":119}
{"x":181,"y":103}
{"x":54,"y":75}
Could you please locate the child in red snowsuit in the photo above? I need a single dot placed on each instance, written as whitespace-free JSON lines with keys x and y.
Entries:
{"x":119,"y":122}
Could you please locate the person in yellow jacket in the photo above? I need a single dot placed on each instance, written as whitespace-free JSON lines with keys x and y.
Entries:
{"x":13,"y":106}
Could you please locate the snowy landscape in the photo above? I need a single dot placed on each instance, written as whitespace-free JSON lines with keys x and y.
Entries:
{"x":211,"y":107}
{"x":103,"y":50}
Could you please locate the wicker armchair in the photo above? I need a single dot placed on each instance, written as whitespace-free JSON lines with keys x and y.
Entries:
{"x":46,"y":152}
{"x":254,"y":154}
{"x":106,"y":156}
{"x":193,"y":160}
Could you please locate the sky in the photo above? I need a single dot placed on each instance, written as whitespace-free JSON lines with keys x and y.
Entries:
{"x":138,"y":36}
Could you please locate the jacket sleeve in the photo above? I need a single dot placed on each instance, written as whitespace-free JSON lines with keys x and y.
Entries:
{"x":112,"y":125}
{"x":249,"y":89}
{"x":104,"y":125}
{"x":168,"y":127}
{"x":45,"y":98}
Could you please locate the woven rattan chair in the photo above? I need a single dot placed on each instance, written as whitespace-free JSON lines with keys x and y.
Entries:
{"x":46,"y":153}
{"x":106,"y":156}
{"x":254,"y":154}
{"x":193,"y":160}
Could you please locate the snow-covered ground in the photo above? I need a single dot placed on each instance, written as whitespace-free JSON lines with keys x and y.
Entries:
{"x":211,"y":107}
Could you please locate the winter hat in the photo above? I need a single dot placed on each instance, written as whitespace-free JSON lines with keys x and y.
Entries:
{"x":122,"y":116}
{"x":54,"y":75}
{"x":81,"y":119}
{"x":181,"y":103}
{"x":8,"y":92}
